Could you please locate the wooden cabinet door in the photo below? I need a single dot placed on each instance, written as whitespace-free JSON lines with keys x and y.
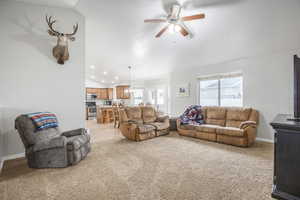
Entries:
{"x":126,"y":92}
{"x":110,"y":94}
{"x":102,"y":93}
{"x":91,"y":91}
{"x":119,"y":92}
{"x":123,"y":92}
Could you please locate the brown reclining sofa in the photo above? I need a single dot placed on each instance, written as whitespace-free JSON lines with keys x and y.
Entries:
{"x":142,"y":123}
{"x":234,"y":126}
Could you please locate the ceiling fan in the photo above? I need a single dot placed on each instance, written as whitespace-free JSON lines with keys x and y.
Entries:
{"x":175,"y":23}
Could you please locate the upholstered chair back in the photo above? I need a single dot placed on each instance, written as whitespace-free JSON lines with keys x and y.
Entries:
{"x":123,"y":115}
{"x":28,"y":133}
{"x":215,"y":115}
{"x":229,"y":116}
{"x":235,"y":116}
{"x":149,"y":114}
{"x":134,"y":114}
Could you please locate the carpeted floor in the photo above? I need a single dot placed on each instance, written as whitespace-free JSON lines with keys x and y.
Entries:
{"x":169,"y":167}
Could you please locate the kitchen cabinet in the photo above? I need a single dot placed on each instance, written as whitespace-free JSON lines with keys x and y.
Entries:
{"x":123,"y":92}
{"x":102,"y":93}
{"x":110,"y":93}
{"x":92,"y":91}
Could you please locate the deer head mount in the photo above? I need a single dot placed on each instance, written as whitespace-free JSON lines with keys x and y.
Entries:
{"x":60,"y":51}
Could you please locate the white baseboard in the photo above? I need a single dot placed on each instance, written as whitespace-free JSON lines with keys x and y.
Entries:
{"x":14,"y":156}
{"x":265,"y":140}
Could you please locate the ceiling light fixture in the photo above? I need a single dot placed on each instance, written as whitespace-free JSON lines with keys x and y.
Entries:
{"x":92,"y":77}
{"x":105,"y":73}
{"x":116,"y":77}
{"x":103,"y":81}
{"x":92,"y":66}
{"x":174,"y":28}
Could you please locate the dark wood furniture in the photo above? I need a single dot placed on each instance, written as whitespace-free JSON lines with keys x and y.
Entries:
{"x":286,"y":184}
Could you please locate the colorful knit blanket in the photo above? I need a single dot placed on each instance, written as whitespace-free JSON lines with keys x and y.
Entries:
{"x":192,"y":115}
{"x":43,"y":120}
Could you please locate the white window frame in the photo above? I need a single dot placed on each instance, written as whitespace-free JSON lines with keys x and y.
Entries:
{"x":219,"y":77}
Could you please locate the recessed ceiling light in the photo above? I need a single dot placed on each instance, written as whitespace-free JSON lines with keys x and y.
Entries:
{"x":112,"y":82}
{"x":92,"y":66}
{"x":92,"y":77}
{"x":116,"y":77}
{"x":105,"y":73}
{"x":103,"y":81}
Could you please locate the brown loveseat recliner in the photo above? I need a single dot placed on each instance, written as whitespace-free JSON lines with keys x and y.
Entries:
{"x":142,"y":123}
{"x":234,"y":126}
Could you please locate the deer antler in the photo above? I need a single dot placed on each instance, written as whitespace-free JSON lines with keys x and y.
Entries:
{"x":75,"y":29}
{"x":50,"y":23}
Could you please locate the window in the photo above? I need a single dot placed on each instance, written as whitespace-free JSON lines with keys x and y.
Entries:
{"x":138,"y":96}
{"x":224,"y":90}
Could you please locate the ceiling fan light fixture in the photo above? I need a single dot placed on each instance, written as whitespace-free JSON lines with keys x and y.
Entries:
{"x":174,"y":28}
{"x":177,"y":28}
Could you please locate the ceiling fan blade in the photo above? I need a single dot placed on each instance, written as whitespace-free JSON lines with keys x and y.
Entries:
{"x":162,"y":31}
{"x":155,"y":20}
{"x":183,"y":31}
{"x":193,"y":17}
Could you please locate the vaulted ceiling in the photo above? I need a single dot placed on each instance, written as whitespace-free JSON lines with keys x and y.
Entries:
{"x":58,"y":3}
{"x":117,"y":37}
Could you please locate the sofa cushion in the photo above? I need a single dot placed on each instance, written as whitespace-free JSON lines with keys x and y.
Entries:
{"x":208,"y":128}
{"x":230,"y":131}
{"x":233,"y":123}
{"x":134,"y":114}
{"x":235,"y":116}
{"x":238,"y":114}
{"x":149,"y":114}
{"x":215,"y":112}
{"x":145,"y":128}
{"x":215,"y":116}
{"x":159,"y":125}
{"x":187,"y":127}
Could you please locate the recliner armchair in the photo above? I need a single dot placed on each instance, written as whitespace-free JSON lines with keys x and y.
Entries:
{"x":50,"y":148}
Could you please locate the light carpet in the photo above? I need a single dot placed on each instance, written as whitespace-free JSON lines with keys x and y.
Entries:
{"x":170,"y":167}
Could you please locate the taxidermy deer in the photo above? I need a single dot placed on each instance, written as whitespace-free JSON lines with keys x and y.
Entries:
{"x":60,"y":51}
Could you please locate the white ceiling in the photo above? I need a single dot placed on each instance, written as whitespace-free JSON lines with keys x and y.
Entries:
{"x":58,"y":3}
{"x":117,"y":37}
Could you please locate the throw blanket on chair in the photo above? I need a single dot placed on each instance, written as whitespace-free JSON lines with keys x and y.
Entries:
{"x":192,"y":115}
{"x":43,"y":120}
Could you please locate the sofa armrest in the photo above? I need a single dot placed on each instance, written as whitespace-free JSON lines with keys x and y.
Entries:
{"x":250,"y":134}
{"x":178,"y":123}
{"x":162,"y":118}
{"x":72,"y":133}
{"x":54,"y":143}
{"x":246,"y":124}
{"x":129,"y":130}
